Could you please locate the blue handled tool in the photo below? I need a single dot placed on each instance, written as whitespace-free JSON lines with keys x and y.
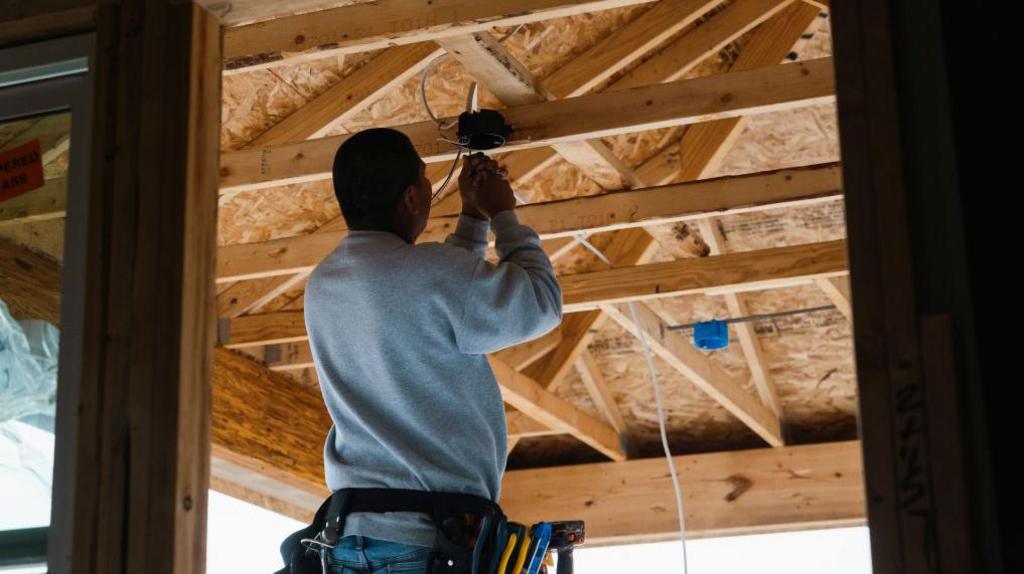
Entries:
{"x":541,"y":539}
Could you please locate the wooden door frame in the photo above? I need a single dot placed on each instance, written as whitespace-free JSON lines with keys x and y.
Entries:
{"x":899,"y":329}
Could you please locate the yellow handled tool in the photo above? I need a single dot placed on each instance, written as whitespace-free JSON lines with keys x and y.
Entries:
{"x":522,"y":555}
{"x":507,"y":553}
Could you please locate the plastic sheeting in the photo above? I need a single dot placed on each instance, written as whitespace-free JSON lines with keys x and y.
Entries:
{"x":28,"y":367}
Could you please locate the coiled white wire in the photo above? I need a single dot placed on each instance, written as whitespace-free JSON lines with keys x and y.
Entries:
{"x":423,"y":95}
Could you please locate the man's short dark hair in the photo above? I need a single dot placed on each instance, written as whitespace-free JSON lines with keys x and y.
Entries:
{"x":371,"y":169}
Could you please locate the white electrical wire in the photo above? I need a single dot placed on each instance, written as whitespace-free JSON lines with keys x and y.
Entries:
{"x":649,"y":355}
{"x":423,"y":95}
{"x":451,"y":172}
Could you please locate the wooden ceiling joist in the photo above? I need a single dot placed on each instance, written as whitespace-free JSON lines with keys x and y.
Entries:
{"x":605,"y":212}
{"x":750,"y":270}
{"x":246,"y":296}
{"x":671,"y":203}
{"x":586,"y":117}
{"x":521,"y":426}
{"x":728,"y":493}
{"x":386,"y":23}
{"x":288,"y":356}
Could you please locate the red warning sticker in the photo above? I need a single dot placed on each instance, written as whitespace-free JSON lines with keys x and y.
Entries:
{"x":21,"y":170}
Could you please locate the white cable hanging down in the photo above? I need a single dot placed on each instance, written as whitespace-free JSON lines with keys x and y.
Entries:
{"x":442,"y":127}
{"x":653,"y":371}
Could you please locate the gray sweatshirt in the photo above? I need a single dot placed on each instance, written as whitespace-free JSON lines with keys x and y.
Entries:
{"x":399,"y":334}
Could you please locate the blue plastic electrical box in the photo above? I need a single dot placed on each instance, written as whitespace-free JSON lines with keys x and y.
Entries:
{"x":711,"y":335}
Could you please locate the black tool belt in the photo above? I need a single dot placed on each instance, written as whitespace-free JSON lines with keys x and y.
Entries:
{"x":464,"y":525}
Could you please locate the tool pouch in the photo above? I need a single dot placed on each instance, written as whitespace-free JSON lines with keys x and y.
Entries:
{"x":460,"y":536}
{"x":458,"y":518}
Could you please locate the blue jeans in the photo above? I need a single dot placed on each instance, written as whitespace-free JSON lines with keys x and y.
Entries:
{"x":361,"y":555}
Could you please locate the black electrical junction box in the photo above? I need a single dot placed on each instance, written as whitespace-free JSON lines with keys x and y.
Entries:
{"x":483,"y":130}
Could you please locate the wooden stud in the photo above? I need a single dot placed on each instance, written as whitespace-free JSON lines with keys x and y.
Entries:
{"x":598,"y":390}
{"x":525,"y":354}
{"x":837,"y":289}
{"x":531,"y":399}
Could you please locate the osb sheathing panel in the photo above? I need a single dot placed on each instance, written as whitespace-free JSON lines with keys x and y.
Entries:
{"x":255,"y":101}
{"x":272,"y":213}
{"x":809,"y":356}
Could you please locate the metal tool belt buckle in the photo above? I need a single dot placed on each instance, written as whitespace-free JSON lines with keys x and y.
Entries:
{"x":334,"y":521}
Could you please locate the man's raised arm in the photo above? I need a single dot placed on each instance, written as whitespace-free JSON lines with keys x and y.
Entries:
{"x":518,"y":299}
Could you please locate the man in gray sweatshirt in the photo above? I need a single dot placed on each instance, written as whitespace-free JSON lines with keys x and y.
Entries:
{"x":400,"y":332}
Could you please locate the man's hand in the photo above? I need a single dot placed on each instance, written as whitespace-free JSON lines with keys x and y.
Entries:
{"x":468,"y":179}
{"x":484,"y":187}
